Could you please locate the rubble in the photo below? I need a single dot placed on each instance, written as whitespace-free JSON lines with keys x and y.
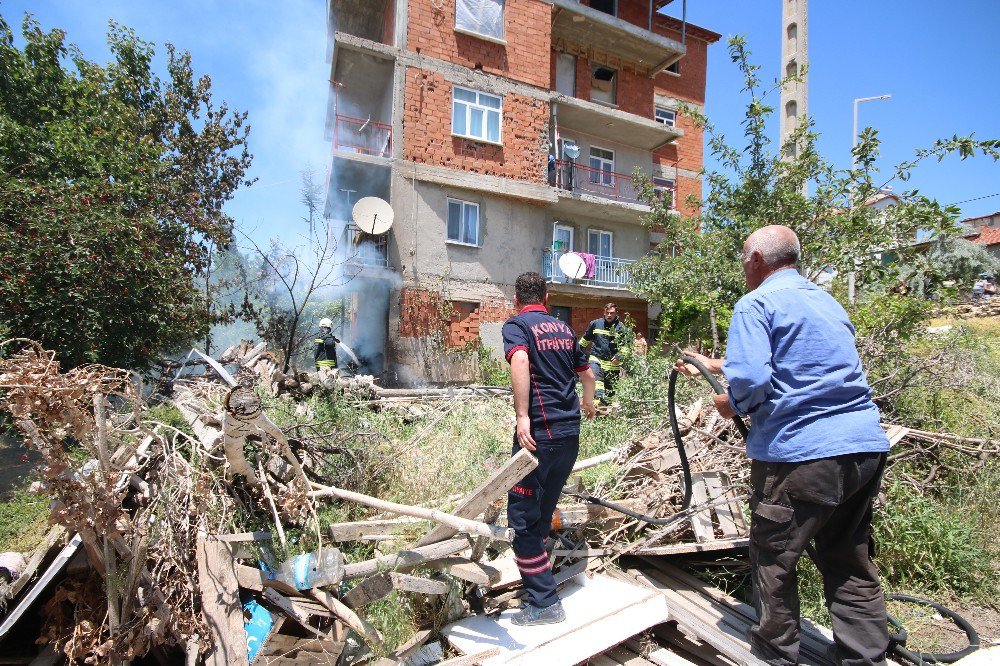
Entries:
{"x":170,"y":545}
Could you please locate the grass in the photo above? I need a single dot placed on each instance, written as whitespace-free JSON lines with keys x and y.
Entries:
{"x":23,"y":520}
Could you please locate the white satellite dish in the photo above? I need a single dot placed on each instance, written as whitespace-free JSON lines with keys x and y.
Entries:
{"x":571,"y":150}
{"x":373,"y":215}
{"x":573,"y":266}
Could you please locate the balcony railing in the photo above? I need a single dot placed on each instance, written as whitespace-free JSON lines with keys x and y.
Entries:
{"x":609,"y":272}
{"x":364,"y":250}
{"x":576,"y":177}
{"x":361,"y":135}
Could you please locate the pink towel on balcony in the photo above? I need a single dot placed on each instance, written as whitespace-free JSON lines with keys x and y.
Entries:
{"x":590,"y":261}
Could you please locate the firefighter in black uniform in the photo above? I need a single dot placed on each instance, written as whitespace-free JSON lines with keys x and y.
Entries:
{"x":545,"y":359}
{"x":601,"y":339}
{"x":326,"y":346}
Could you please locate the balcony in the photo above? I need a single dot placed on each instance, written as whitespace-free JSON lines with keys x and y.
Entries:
{"x":364,"y":251}
{"x":362,"y":136}
{"x":575,"y":22}
{"x":574,"y":177}
{"x":611,"y":123}
{"x":609,"y":272}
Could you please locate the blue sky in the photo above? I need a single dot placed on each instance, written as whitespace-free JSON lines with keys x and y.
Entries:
{"x":269,"y":58}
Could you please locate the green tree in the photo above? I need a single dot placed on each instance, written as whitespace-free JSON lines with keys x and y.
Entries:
{"x":696,"y":275}
{"x":112,"y":183}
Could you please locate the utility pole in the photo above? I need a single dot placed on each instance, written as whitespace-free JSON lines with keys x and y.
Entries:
{"x":794,"y":56}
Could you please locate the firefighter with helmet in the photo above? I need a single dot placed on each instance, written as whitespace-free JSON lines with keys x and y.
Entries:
{"x":326,"y":346}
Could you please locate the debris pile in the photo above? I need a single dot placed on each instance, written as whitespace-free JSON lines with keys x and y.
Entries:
{"x":210,"y":541}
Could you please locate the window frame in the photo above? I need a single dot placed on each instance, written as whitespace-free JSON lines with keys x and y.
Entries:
{"x":614,"y":85}
{"x":672,"y":189}
{"x":469,"y":107}
{"x":463,"y":204}
{"x":609,"y":174}
{"x":666,"y":109}
{"x":611,"y":242}
{"x":673,"y":69}
{"x":502,"y":39}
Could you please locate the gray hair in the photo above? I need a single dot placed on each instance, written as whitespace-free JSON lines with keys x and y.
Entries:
{"x":778,"y":246}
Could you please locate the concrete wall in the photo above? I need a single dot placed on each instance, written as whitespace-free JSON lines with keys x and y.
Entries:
{"x":627,"y":158}
{"x":630,"y":241}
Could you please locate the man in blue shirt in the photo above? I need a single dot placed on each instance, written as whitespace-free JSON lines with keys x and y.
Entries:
{"x":817,"y":449}
{"x":545,"y":359}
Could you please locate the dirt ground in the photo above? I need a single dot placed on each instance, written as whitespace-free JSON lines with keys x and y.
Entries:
{"x":930,"y":632}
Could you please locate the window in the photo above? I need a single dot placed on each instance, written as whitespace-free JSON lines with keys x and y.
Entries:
{"x":599,"y":243}
{"x":566,"y":74}
{"x":602,"y":84}
{"x":560,"y":312}
{"x":664,"y":188}
{"x":674,"y":68}
{"x":606,"y":6}
{"x":666,"y":116}
{"x":602,"y":165}
{"x":483,"y":18}
{"x":475,"y":115}
{"x":463,"y":222}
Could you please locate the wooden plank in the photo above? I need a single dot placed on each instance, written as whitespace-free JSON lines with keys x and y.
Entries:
{"x":404,"y":650}
{"x":285,"y":604}
{"x":717,"y":490}
{"x":310,"y":608}
{"x":425,"y":655}
{"x":418,"y":585}
{"x":51,"y":572}
{"x":406,"y":558}
{"x":252,"y":578}
{"x":220,"y":602}
{"x":626,"y":657}
{"x":660,"y":656}
{"x":368,"y":529}
{"x":515,"y":469}
{"x":369,"y":633}
{"x":472,"y":659}
{"x":602,"y":660}
{"x":370,"y":589}
{"x":701,"y":522}
{"x":473,"y":572}
{"x":243,"y":537}
{"x":35,"y":561}
{"x":682,"y":548}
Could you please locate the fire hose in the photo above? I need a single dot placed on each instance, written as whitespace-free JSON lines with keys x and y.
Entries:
{"x":897,"y":640}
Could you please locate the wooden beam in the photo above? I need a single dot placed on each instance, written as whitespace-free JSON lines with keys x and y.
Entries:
{"x":478,"y":500}
{"x":252,"y":578}
{"x":406,"y":558}
{"x":364,"y":529}
{"x":418,"y":585}
{"x":474,"y":572}
{"x":349,"y":617}
{"x":220,"y":602}
{"x":370,"y":589}
{"x":293,"y":613}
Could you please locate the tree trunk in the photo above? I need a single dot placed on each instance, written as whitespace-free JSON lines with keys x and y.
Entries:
{"x":715,"y":330}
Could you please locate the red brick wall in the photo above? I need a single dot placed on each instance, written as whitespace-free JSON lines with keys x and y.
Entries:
{"x":431,"y":31}
{"x":690,"y":85}
{"x":466,"y":317}
{"x":419,"y":312}
{"x":634,"y":92}
{"x":427,"y":134}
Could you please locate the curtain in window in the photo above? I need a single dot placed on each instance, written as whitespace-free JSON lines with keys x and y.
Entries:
{"x":484,"y":17}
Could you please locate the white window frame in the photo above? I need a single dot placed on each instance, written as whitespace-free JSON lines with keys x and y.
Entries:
{"x":463,"y":206}
{"x":572,"y":236}
{"x":660,"y":187}
{"x":611,"y":242}
{"x":469,"y":107}
{"x":670,"y":121}
{"x":607,"y":179}
{"x":502,"y":39}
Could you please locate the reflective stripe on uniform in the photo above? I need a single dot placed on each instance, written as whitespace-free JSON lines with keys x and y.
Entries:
{"x":326,"y":364}
{"x":318,"y":341}
{"x":603,"y":331}
{"x":607,"y":365}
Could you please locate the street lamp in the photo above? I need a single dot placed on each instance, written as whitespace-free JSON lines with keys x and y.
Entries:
{"x":854,"y":136}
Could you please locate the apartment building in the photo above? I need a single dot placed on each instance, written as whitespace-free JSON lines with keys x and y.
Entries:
{"x":504,"y":133}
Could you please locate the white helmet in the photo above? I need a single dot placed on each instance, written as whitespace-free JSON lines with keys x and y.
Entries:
{"x":325,"y":322}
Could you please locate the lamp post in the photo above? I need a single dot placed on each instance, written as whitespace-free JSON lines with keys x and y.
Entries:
{"x":854,"y":134}
{"x":854,"y":144}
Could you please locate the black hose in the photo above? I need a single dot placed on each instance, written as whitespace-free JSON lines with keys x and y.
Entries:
{"x":899,"y":646}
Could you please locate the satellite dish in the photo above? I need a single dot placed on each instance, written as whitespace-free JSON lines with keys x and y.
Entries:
{"x":572,"y":266}
{"x":571,"y":150}
{"x":373,"y":215}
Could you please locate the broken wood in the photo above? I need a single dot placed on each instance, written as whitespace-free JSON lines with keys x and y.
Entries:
{"x":252,"y":578}
{"x":467,"y":570}
{"x":369,"y":633}
{"x":370,"y":589}
{"x":220,"y":602}
{"x":404,"y":650}
{"x":456,"y":523}
{"x":285,"y":604}
{"x":406,"y":558}
{"x":471,"y":659}
{"x":367,"y":529}
{"x":418,"y":585}
{"x":515,"y":469}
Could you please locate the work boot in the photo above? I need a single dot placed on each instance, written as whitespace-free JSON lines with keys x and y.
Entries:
{"x":530,"y":615}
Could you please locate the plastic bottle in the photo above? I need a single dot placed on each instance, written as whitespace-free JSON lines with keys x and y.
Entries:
{"x":310,"y":570}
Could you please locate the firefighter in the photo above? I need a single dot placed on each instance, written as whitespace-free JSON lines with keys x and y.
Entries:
{"x":600,"y":338}
{"x":545,"y":360}
{"x":326,"y":346}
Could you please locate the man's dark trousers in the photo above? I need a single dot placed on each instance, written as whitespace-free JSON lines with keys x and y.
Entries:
{"x":530,"y":505}
{"x":830,"y":501}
